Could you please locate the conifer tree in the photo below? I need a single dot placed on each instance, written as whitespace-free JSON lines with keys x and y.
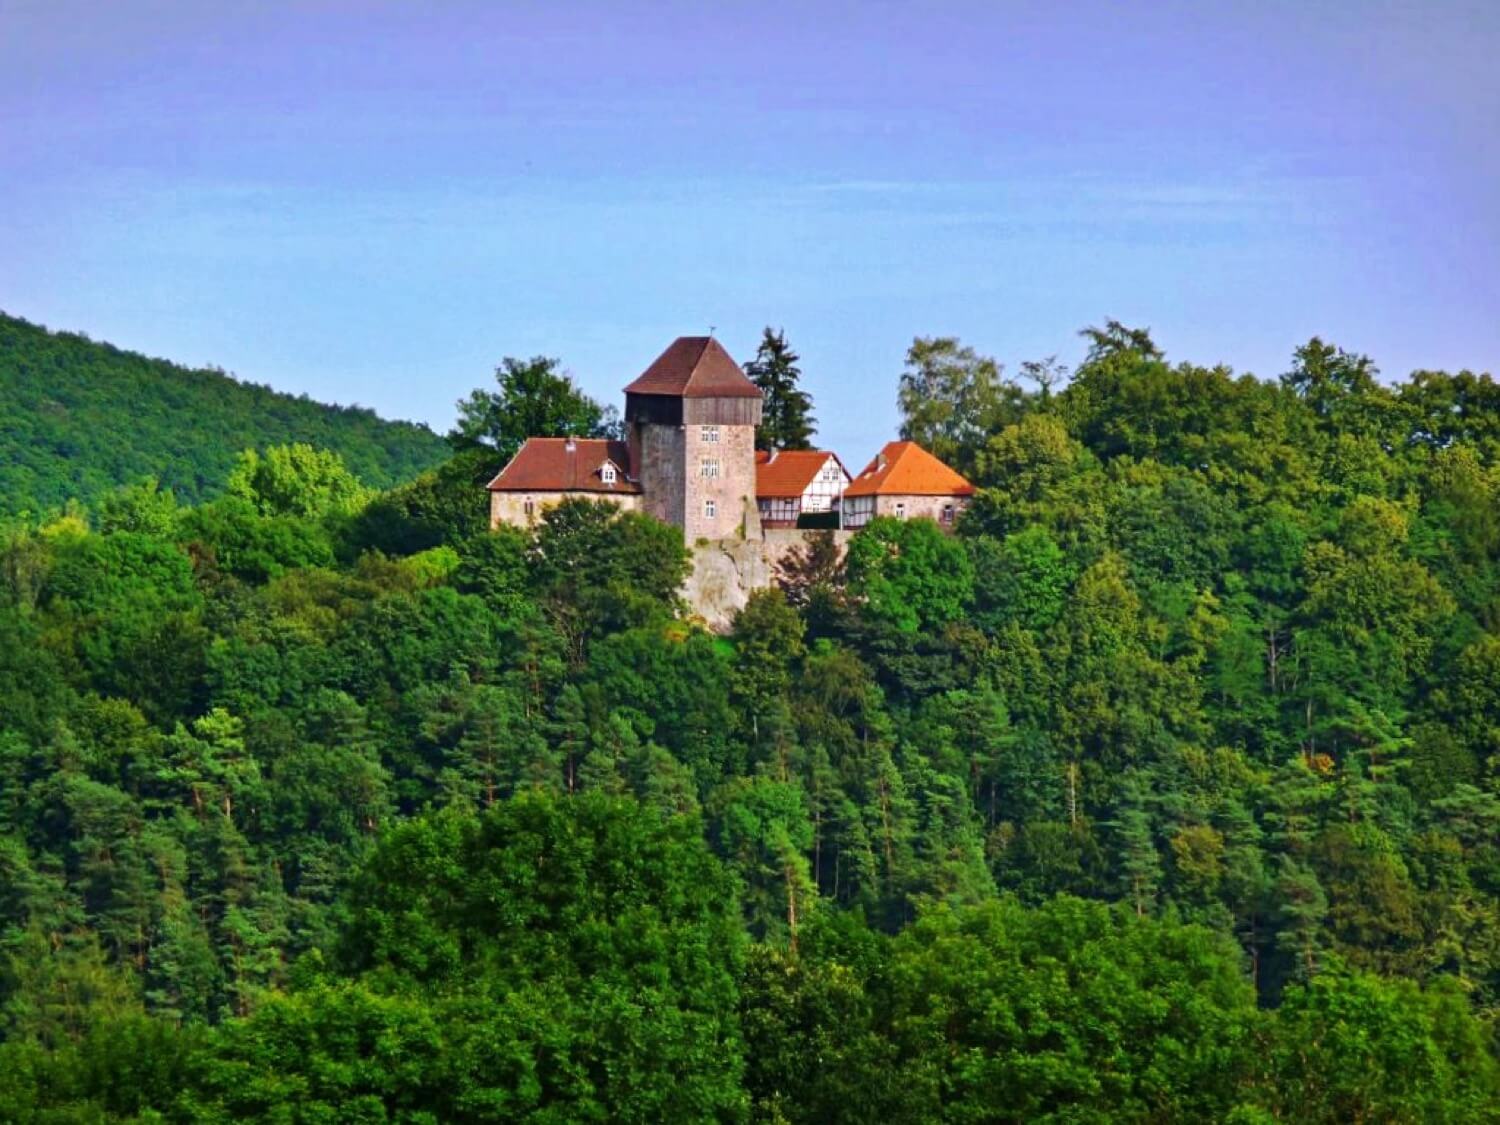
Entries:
{"x":787,"y":421}
{"x":1140,"y":865}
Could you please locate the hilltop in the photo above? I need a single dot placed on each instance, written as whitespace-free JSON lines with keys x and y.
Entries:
{"x":79,"y":417}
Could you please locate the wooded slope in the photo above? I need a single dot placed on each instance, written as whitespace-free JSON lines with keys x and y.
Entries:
{"x":78,"y":418}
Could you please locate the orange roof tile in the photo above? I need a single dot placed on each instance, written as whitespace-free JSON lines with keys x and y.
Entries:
{"x":904,"y":468}
{"x":694,"y":367}
{"x":790,"y":472}
{"x":565,"y":465}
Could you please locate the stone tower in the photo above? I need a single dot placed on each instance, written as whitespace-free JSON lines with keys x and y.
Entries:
{"x":691,"y":420}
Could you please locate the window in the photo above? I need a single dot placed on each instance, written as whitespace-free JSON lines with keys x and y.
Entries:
{"x":856,"y":510}
{"x":607,"y":474}
{"x":708,"y":467}
{"x":710,"y":509}
{"x":529,"y":507}
{"x":900,"y":509}
{"x":709,"y":433}
{"x":947,"y":513}
{"x":780,"y":509}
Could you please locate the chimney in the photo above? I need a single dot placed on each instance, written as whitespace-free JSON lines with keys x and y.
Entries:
{"x":774,"y":451}
{"x":570,"y":444}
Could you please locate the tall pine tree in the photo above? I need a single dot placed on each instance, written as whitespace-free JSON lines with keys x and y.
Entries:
{"x":787,"y":421}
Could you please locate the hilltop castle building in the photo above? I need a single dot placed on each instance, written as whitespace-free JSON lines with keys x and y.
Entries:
{"x":689,"y":459}
{"x":691,"y":420}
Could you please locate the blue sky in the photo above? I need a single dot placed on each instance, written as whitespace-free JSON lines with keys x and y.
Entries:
{"x":375,"y":202}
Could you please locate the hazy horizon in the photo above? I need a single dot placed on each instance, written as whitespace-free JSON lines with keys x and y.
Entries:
{"x":373,"y":204}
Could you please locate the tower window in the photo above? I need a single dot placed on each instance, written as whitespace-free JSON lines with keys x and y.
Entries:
{"x":709,"y":433}
{"x":710,"y":508}
{"x":708,"y":467}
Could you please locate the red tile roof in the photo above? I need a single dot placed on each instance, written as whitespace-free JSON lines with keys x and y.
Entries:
{"x":904,"y":468}
{"x":790,"y":473}
{"x":694,"y":367}
{"x":549,"y":465}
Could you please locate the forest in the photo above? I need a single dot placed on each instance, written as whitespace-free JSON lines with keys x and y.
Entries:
{"x":1165,"y":789}
{"x":79,"y":418}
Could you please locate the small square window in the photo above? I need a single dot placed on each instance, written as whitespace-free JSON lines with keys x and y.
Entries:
{"x":607,"y":474}
{"x":710,"y":433}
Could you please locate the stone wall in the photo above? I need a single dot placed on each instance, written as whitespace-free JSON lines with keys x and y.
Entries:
{"x":658,"y":453}
{"x":917,"y":507}
{"x":732,"y":491}
{"x":510,"y":507}
{"x":780,"y":542}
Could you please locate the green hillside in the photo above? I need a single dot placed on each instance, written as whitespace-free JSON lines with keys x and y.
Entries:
{"x":78,"y":418}
{"x":1164,"y":788}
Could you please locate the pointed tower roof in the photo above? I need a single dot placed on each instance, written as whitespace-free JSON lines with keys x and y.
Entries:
{"x":694,"y":367}
{"x":904,"y":468}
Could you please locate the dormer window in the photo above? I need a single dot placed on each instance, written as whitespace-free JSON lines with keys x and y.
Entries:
{"x":607,"y":474}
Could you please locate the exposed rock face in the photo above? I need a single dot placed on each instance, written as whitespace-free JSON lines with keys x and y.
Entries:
{"x":726,"y":571}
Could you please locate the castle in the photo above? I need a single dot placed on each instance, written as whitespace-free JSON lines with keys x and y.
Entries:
{"x":689,"y":459}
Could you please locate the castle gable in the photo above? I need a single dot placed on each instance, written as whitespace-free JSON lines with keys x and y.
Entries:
{"x":904,"y":468}
{"x":789,"y":473}
{"x":568,"y":465}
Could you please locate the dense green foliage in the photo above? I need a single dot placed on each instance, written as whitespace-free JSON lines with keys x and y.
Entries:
{"x":535,"y":399}
{"x":1167,"y":789}
{"x":79,"y":418}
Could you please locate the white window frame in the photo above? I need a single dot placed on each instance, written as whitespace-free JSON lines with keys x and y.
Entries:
{"x":709,"y":434}
{"x":900,"y":512}
{"x":708,"y":467}
{"x":607,"y":473}
{"x":710,"y":509}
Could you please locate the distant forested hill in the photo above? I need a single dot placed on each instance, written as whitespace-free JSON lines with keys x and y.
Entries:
{"x":78,"y":418}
